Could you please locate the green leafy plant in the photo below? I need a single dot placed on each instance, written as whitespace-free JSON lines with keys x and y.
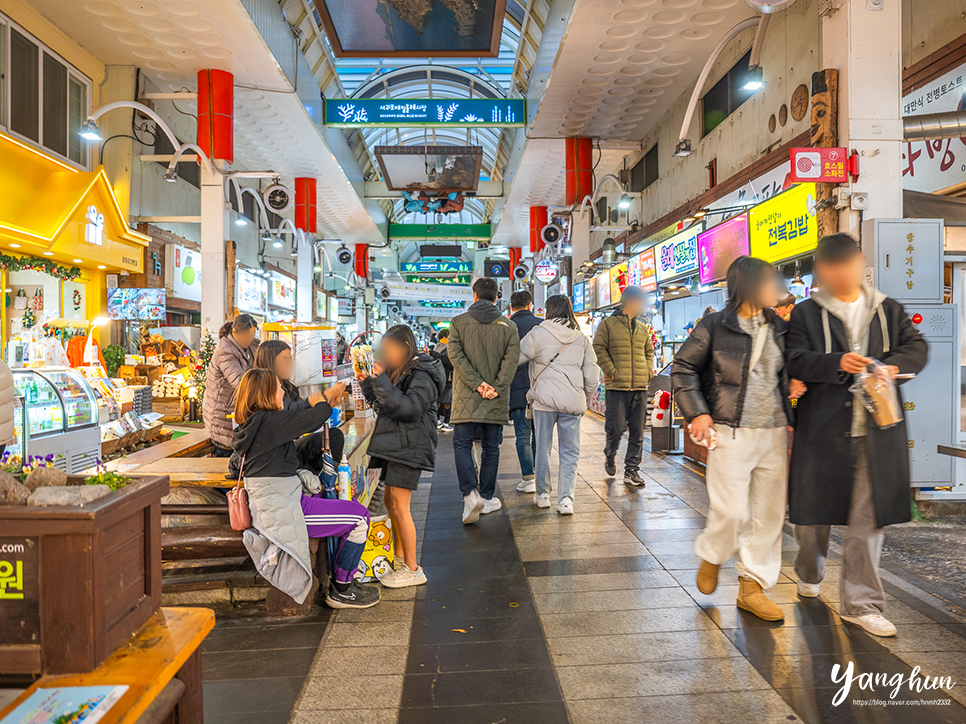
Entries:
{"x":103,"y":476}
{"x":25,"y":263}
{"x":201,"y":371}
{"x":113,"y":358}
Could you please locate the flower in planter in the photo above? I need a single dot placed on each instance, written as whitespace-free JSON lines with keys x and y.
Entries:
{"x":103,"y":476}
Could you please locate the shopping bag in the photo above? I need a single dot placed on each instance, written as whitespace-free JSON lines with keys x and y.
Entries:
{"x":20,"y":301}
{"x":38,"y":301}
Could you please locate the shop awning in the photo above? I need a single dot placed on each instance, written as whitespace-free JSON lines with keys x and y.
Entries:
{"x":70,"y":214}
{"x":919,"y":205}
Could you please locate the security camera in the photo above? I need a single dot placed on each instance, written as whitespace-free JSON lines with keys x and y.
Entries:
{"x":394,"y":309}
{"x":551,"y":234}
{"x":860,"y":200}
{"x":384,"y":292}
{"x":521,"y":272}
{"x":344,"y":255}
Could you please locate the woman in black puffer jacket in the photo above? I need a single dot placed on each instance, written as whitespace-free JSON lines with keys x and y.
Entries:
{"x":403,"y":388}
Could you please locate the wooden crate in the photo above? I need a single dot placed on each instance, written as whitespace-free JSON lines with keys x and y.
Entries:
{"x":169,"y":408}
{"x":89,"y":577}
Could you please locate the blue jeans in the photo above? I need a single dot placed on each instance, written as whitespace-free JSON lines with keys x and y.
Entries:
{"x":526,"y":441}
{"x":463,"y":434}
{"x":568,"y":448}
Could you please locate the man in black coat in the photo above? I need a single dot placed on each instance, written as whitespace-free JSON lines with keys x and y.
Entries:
{"x":845,"y":470}
{"x":520,"y":306}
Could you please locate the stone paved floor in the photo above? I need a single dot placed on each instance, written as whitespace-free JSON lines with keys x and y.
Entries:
{"x":530,"y":617}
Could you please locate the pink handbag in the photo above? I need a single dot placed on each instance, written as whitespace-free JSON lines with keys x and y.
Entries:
{"x":239,"y":513}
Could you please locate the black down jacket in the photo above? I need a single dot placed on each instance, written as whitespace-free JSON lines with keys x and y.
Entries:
{"x":710,"y":371}
{"x":525,"y":321}
{"x":405,"y":430}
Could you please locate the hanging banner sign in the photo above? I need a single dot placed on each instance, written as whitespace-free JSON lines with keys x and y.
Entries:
{"x":603,"y":289}
{"x":545,"y":271}
{"x":433,"y":312}
{"x":436,"y":267}
{"x":932,"y":166}
{"x":185,"y":276}
{"x":425,"y":292}
{"x":648,"y":280}
{"x":396,"y":112}
{"x":579,"y":299}
{"x":678,"y":255}
{"x":721,"y":245}
{"x":784,"y":226}
{"x":821,"y":165}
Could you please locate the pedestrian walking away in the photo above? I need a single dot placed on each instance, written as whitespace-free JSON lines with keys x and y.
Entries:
{"x":564,"y":376}
{"x":730,"y":383}
{"x":625,"y":353}
{"x":445,"y":402}
{"x":521,"y":304}
{"x":845,"y":470}
{"x":484,"y":348}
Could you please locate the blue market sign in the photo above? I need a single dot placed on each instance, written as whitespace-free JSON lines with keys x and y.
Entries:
{"x":361,"y":112}
{"x":436,"y":267}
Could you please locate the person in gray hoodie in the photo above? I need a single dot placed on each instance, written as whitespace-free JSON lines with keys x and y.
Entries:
{"x":563,"y":376}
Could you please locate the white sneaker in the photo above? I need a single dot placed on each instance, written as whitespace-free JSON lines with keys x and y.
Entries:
{"x":491,"y":506}
{"x":403,"y":578}
{"x":876,"y":624}
{"x":808,"y":590}
{"x":527,"y":486}
{"x":565,"y":507}
{"x":472,"y":507}
{"x":446,"y":427}
{"x":541,"y":500}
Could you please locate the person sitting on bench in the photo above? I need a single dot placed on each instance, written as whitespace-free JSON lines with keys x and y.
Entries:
{"x":285,"y":513}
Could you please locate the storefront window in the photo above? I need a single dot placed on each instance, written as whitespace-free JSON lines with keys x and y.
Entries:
{"x":24,"y":86}
{"x":55,"y":94}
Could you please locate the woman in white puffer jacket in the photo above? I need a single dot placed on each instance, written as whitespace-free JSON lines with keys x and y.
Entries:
{"x":563,"y":376}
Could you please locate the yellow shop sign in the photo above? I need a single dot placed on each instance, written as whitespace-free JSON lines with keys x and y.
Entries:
{"x":784,"y":226}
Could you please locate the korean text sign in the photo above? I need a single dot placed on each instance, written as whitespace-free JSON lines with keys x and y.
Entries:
{"x":618,"y":281}
{"x":784,"y":226}
{"x":648,"y":280}
{"x":678,"y":255}
{"x":719,"y":246}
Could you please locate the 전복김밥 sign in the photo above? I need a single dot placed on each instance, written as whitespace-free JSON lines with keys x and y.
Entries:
{"x":678,"y":255}
{"x":784,"y":226}
{"x":719,"y":246}
{"x":396,"y":112}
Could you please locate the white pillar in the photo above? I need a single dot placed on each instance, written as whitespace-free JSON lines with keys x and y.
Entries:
{"x":866,"y":48}
{"x":214,"y":233}
{"x":580,"y":237}
{"x":304,"y":277}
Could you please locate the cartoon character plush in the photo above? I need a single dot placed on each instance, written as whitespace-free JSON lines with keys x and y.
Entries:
{"x":380,"y":533}
{"x":381,"y":566}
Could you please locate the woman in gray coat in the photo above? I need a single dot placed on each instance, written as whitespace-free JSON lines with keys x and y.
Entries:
{"x":234,"y":355}
{"x":563,"y":376}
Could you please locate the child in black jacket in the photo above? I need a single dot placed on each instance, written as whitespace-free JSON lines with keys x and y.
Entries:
{"x":403,"y":388}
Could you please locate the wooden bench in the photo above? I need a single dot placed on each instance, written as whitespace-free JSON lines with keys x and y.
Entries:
{"x":161,"y":666}
{"x":193,"y":444}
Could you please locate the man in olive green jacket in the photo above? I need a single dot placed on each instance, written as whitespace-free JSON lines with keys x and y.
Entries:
{"x":625,"y":354}
{"x":484,"y":348}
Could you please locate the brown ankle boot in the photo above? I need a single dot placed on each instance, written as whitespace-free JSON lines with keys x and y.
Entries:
{"x":707,"y":577}
{"x":751,"y":598}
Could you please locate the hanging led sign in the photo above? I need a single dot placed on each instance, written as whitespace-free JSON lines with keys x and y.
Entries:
{"x":396,"y":112}
{"x":436,"y":267}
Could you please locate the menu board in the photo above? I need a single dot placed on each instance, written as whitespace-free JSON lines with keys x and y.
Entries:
{"x":678,"y":255}
{"x":283,"y":291}
{"x":590,"y":295}
{"x":784,"y":226}
{"x":719,"y":246}
{"x":579,"y":297}
{"x":648,"y":280}
{"x":145,"y":304}
{"x":251,"y":292}
{"x":618,"y":282}
{"x":603,"y":289}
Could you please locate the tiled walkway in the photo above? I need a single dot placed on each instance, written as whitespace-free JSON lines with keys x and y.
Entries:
{"x":529,"y":617}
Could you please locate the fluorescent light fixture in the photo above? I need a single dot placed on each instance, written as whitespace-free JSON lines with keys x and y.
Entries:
{"x":753,"y":81}
{"x":48,"y":253}
{"x":700,"y":213}
{"x":90,"y":131}
{"x":101,"y":266}
{"x":689,"y":220}
{"x":683,"y":148}
{"x":624,"y":202}
{"x":15,"y":246}
{"x":241,"y":221}
{"x":77,"y":261}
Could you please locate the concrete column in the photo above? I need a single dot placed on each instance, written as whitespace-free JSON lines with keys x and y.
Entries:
{"x":303,"y":284}
{"x":214,"y":235}
{"x":865,"y":46}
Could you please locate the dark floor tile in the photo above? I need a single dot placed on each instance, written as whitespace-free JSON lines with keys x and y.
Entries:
{"x":469,"y":630}
{"x":251,"y":696}
{"x":257,"y":664}
{"x":571,"y":566}
{"x":528,"y":713}
{"x":514,"y":585}
{"x":481,"y":687}
{"x":483,"y":656}
{"x":267,"y":636}
{"x":470,"y":569}
{"x":502,"y":605}
{"x":462,"y":556}
{"x":444,"y":535}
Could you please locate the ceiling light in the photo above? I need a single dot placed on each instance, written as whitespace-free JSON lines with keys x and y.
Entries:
{"x":624,"y":203}
{"x":700,"y":213}
{"x":277,"y":243}
{"x":683,"y":148}
{"x":77,"y":261}
{"x":241,"y":221}
{"x":316,"y":268}
{"x":15,"y":246}
{"x":753,"y":81}
{"x":48,"y":253}
{"x":101,"y":266}
{"x":689,"y":220}
{"x":798,"y":280}
{"x":90,"y":131}
{"x":171,"y":175}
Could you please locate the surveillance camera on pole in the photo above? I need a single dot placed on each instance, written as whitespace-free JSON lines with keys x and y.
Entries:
{"x":344,"y":255}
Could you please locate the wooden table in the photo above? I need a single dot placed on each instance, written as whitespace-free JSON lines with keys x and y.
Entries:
{"x":165,"y":648}
{"x":180,"y":447}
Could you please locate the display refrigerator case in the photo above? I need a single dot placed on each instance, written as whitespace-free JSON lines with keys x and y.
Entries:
{"x":61,"y":417}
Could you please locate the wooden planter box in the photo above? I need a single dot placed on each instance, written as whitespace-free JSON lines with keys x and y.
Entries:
{"x":75,"y":583}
